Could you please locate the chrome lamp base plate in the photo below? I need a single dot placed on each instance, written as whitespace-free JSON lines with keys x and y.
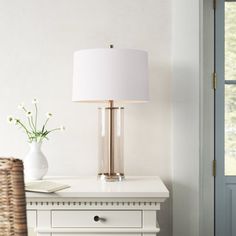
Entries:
{"x":115,"y":177}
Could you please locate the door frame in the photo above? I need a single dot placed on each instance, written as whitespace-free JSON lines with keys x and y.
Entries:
{"x":219,"y":113}
{"x":207,"y":116}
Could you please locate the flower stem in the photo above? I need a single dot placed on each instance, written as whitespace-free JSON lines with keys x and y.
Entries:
{"x":32,"y":122}
{"x":32,"y":128}
{"x":45,"y":124}
{"x":24,"y":127}
{"x":36,"y":115}
{"x":53,"y":130}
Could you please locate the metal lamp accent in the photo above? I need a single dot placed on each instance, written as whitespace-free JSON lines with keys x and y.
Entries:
{"x":110,"y":75}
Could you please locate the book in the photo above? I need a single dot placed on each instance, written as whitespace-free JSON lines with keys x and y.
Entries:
{"x":44,"y":186}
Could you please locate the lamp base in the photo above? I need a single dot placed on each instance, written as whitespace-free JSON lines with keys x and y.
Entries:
{"x":115,"y":177}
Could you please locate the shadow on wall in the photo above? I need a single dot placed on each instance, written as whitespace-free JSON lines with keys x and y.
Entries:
{"x":165,"y":215}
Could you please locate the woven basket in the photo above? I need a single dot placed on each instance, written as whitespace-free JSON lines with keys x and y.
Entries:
{"x":12,"y":198}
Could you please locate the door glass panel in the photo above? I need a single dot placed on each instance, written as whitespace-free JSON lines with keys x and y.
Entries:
{"x":230,"y":40}
{"x":230,"y":129}
{"x":230,"y":88}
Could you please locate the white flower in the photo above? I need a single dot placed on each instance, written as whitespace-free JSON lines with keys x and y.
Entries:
{"x":16,"y":121}
{"x":35,"y":101}
{"x":62,"y":128}
{"x":10,"y":119}
{"x":28,"y":113}
{"x":21,"y":106}
{"x":49,"y":115}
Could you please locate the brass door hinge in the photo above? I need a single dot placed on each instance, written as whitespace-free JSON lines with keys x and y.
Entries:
{"x":214,"y":168}
{"x":214,"y":80}
{"x":214,"y":4}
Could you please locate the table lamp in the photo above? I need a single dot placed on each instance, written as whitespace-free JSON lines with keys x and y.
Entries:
{"x":110,"y":75}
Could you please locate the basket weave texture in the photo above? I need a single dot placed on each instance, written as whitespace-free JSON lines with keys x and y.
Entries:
{"x":12,"y":198}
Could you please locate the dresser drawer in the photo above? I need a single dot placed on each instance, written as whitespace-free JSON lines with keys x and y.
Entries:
{"x":97,"y":234}
{"x":130,"y":219}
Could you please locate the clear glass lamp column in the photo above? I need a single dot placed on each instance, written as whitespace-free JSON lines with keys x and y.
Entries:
{"x":111,"y":144}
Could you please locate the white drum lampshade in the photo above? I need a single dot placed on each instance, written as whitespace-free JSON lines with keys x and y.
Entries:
{"x":110,"y":75}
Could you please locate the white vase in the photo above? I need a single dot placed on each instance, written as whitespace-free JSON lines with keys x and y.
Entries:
{"x":35,"y":163}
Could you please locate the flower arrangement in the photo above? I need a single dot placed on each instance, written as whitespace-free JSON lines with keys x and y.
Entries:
{"x":31,"y":129}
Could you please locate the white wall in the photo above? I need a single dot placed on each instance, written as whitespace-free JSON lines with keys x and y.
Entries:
{"x":185,"y":119}
{"x":192,"y":117}
{"x":38,"y":39}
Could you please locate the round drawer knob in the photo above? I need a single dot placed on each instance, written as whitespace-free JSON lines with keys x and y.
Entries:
{"x":96,"y":218}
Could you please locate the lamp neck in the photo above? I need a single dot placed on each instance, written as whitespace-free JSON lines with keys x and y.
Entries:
{"x":111,"y":103}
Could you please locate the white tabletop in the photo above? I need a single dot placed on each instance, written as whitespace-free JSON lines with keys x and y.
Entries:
{"x":91,"y":187}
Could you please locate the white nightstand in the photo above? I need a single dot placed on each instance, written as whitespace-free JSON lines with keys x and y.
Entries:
{"x":93,"y":208}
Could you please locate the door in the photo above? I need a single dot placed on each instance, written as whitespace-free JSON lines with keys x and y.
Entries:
{"x":225,"y":118}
